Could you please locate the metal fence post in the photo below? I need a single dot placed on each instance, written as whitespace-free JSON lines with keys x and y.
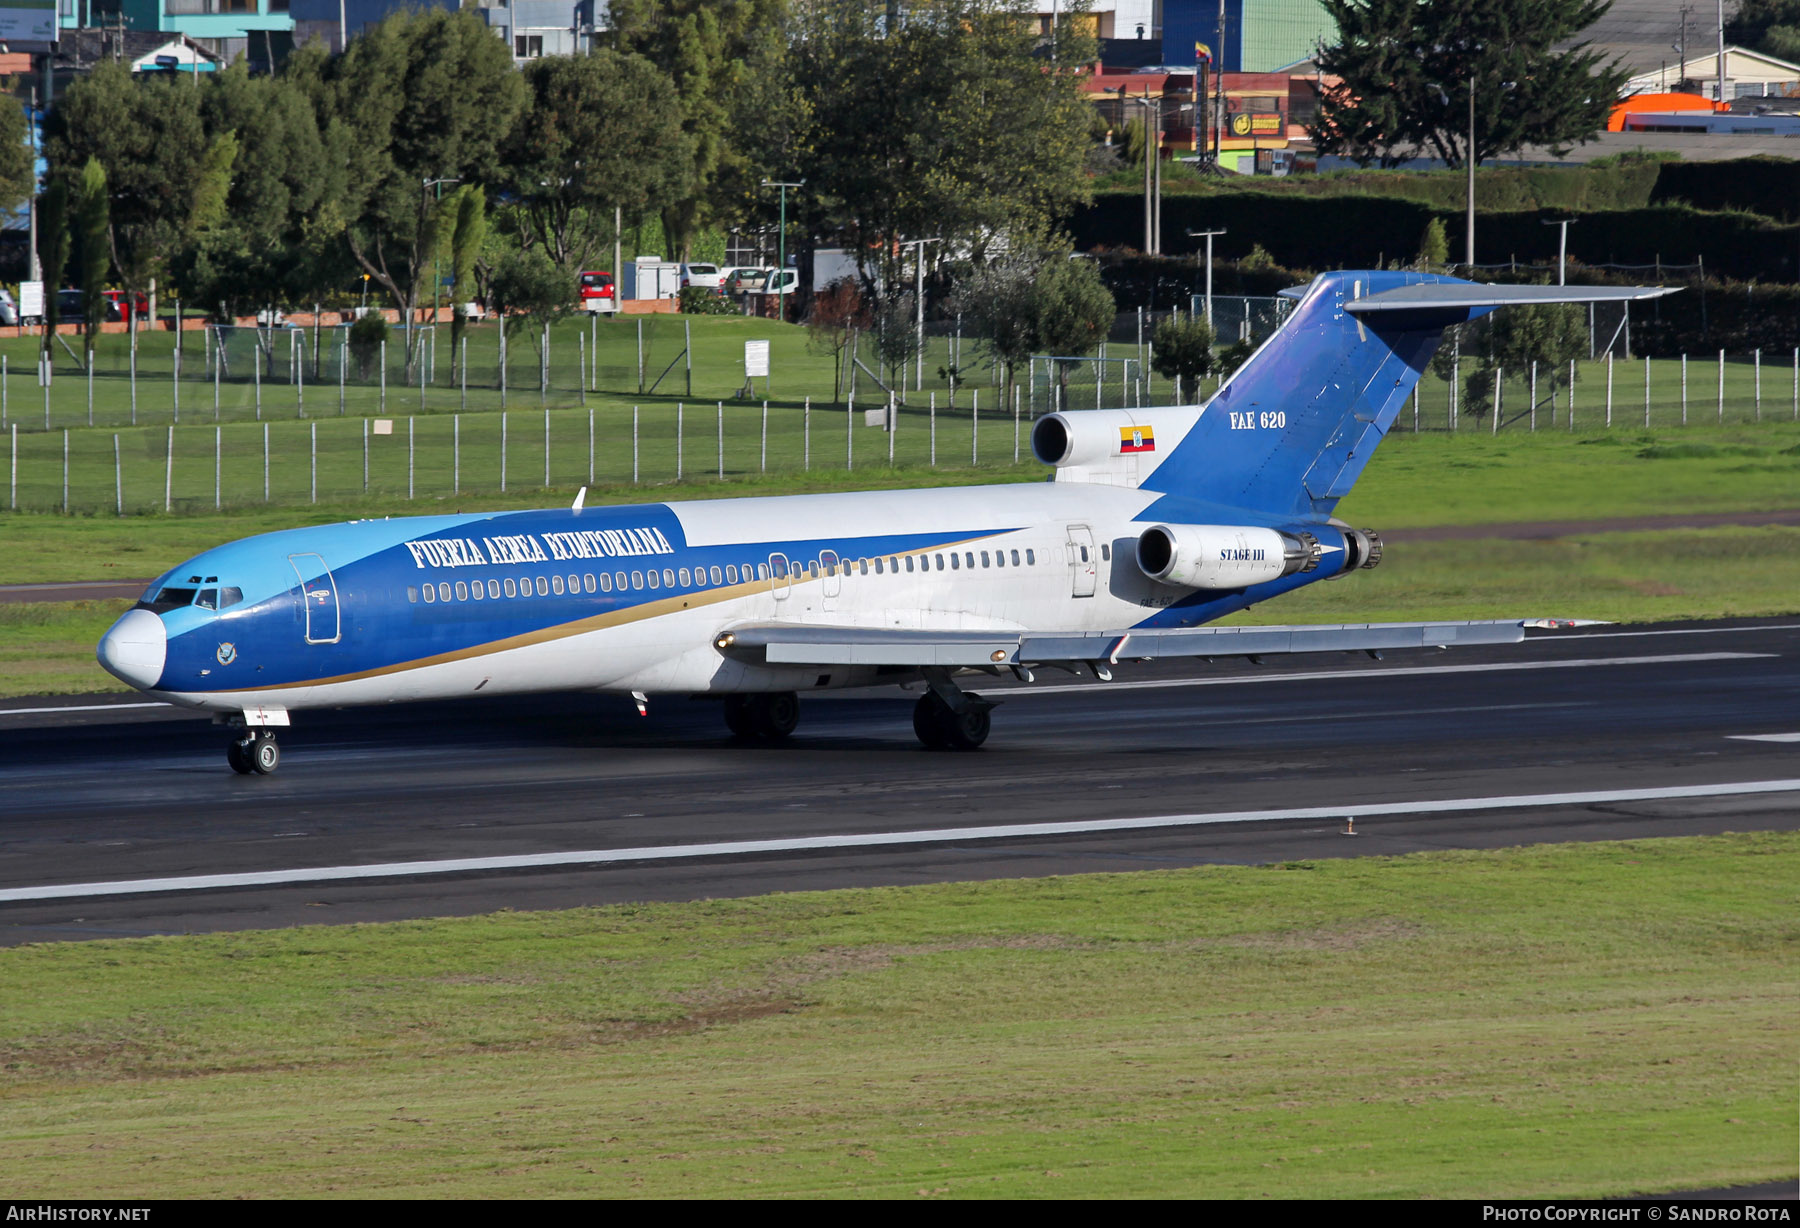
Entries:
{"x":806,"y":434}
{"x":118,"y":474}
{"x":65,"y":471}
{"x":1646,"y":390}
{"x":765,"y":437}
{"x":1016,"y":423}
{"x":849,"y":437}
{"x":314,"y":432}
{"x":256,"y":370}
{"x":169,"y":474}
{"x":934,"y":429}
{"x":1609,"y":387}
{"x":974,"y":430}
{"x":546,"y":449}
{"x":456,"y":450}
{"x":1684,"y":390}
{"x":465,"y":375}
{"x":409,"y":450}
{"x":634,"y":445}
{"x":721,"y":441}
{"x":680,"y":432}
{"x":503,"y":451}
{"x":1571,"y":394}
{"x":590,"y":444}
{"x":265,"y":462}
{"x":1721,"y":385}
{"x":365,"y":437}
{"x":1499,"y":379}
{"x":218,"y":465}
{"x":1534,"y":394}
{"x":134,"y":391}
{"x":1758,"y":360}
{"x":892,"y":421}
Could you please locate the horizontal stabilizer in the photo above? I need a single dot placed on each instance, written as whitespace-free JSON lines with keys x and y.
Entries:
{"x":1462,"y":295}
{"x":811,"y":645}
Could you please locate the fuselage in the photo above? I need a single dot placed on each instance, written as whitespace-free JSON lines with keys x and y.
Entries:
{"x":631,"y":598}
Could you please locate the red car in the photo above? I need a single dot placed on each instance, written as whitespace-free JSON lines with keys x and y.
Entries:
{"x":115,"y":305}
{"x":598,"y":292}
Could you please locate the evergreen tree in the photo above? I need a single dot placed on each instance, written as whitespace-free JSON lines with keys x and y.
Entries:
{"x":53,"y":251}
{"x":1410,"y":67}
{"x":1434,"y":246}
{"x":91,"y":223}
{"x":1183,"y":349}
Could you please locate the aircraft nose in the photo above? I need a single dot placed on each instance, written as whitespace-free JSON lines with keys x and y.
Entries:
{"x":135,"y":648}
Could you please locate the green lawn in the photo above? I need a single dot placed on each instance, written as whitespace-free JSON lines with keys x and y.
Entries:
{"x":1563,"y":1021}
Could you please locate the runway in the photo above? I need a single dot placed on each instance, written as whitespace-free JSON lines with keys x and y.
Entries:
{"x":127,"y":817}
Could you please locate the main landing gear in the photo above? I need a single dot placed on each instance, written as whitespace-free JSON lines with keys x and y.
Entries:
{"x":253,"y":751}
{"x":765,"y":718}
{"x":942,"y":725}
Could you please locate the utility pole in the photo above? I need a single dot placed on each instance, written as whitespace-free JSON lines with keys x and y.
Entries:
{"x":1721,"y":90}
{"x":1469,"y":157}
{"x":1219,"y":87}
{"x":919,"y":307}
{"x":781,"y":267}
{"x":1562,"y":247}
{"x":1208,"y":235}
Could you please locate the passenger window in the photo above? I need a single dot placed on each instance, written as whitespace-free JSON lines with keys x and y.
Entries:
{"x":1106,"y":552}
{"x":619,"y":580}
{"x":650,"y":578}
{"x":587,"y":581}
{"x":462,"y":591}
{"x":443,"y":592}
{"x":1015,"y":558}
{"x":687,"y":577}
{"x":208,"y":599}
{"x":762,"y":571}
{"x":862,"y":567}
{"x":909,"y":562}
{"x":969,"y":559}
{"x":1030,"y":557}
{"x":430,"y":594}
{"x":878,"y":570}
{"x":940,"y":561}
{"x":412,"y":594}
{"x":953,"y":561}
{"x":556,"y":585}
{"x":511,"y":588}
{"x":494,"y":588}
{"x":605,"y":582}
{"x":716,"y":578}
{"x":229,"y":597}
{"x":1084,"y":554}
{"x":476,"y":591}
{"x":637,"y":579}
{"x":574,"y":584}
{"x":543,"y":587}
{"x":731,"y":573}
{"x":668,"y":578}
{"x":984,"y":558}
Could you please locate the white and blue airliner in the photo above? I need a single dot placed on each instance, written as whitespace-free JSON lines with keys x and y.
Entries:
{"x":1157,"y":522}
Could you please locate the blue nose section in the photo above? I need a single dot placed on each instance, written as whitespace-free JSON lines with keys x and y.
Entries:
{"x":135,"y":649}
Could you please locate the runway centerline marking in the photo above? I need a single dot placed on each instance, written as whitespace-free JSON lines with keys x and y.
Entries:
{"x":942,"y":835}
{"x":1405,"y":671}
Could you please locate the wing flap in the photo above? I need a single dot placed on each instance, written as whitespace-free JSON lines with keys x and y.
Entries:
{"x":812,"y":645}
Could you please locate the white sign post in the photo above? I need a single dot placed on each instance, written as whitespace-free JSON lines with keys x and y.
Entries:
{"x":31,"y":300}
{"x":756,"y":362}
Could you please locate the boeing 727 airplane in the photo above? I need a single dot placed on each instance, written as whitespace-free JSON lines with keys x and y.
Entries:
{"x":1157,"y":522}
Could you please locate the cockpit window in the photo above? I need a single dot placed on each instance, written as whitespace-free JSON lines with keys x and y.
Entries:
{"x":230,"y":596}
{"x":169,"y":598}
{"x":208,"y":599}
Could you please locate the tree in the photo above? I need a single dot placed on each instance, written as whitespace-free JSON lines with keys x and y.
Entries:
{"x":91,"y":225}
{"x":17,"y":174}
{"x":1551,"y":335}
{"x":1410,"y":67}
{"x":422,"y":97}
{"x":528,"y":288}
{"x":1769,"y":26}
{"x":468,"y":230}
{"x":1036,"y":303}
{"x":1183,"y":350}
{"x":837,"y":315}
{"x":148,"y":137}
{"x":713,"y":54}
{"x":53,"y":251}
{"x":947,"y":125}
{"x":596,"y":131}
{"x":1434,"y":246}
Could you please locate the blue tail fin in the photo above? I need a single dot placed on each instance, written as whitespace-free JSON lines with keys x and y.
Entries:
{"x":1290,"y":432}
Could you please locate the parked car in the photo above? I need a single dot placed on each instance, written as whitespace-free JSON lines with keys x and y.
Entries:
{"x":9,"y":308}
{"x":769,"y":281}
{"x":116,"y":305}
{"x":730,"y":274}
{"x":71,"y":307}
{"x":597,"y":292}
{"x":703,"y":276}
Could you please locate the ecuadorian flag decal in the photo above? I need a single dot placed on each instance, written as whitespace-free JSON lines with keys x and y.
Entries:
{"x":1136,"y":439}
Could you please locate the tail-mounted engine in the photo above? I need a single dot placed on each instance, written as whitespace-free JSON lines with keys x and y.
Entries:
{"x":1362,"y":548}
{"x":1222,"y":557}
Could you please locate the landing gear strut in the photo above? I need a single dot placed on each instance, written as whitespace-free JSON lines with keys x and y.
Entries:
{"x":767,"y":718}
{"x":253,"y":751}
{"x":942,"y":727}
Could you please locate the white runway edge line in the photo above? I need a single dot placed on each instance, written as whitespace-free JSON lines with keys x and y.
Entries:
{"x":79,"y":708}
{"x":942,"y":835}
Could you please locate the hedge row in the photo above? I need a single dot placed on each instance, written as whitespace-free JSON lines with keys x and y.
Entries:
{"x":1705,"y":317}
{"x":1365,"y":231}
{"x":1769,"y":186}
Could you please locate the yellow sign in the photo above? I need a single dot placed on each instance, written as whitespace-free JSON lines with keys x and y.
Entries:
{"x":1240,"y":125}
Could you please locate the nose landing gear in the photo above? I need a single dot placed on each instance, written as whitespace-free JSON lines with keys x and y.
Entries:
{"x":254,"y":751}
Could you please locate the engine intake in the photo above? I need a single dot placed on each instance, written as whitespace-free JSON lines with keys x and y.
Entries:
{"x":1209,"y":556}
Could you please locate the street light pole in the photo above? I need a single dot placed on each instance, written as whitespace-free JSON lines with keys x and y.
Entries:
{"x":1469,"y":157}
{"x":919,"y":307}
{"x":437,"y":282}
{"x":1208,"y":235}
{"x":1562,"y":246}
{"x":781,"y":247}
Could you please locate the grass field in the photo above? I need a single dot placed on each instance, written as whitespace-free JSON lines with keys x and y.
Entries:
{"x":281,"y":442}
{"x":1560,"y":1021}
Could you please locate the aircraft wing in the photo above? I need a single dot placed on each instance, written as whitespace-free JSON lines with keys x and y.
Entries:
{"x":786,"y":644}
{"x":1456,"y":295}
